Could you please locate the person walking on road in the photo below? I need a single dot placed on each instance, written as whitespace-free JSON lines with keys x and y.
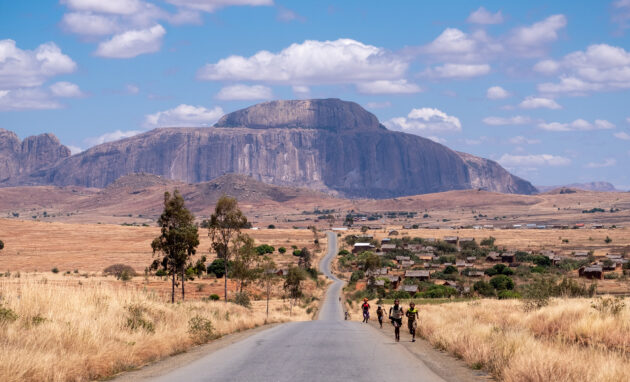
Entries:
{"x":366,"y":310}
{"x":396,"y":315}
{"x":412,"y":320}
{"x":380,"y":312}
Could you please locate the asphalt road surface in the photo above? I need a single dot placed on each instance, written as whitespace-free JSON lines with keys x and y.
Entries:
{"x":329,"y":349}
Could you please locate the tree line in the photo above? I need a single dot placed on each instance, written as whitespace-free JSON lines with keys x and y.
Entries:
{"x":237,"y":255}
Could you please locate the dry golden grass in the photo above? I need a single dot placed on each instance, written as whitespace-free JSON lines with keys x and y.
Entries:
{"x":37,"y":246}
{"x":565,"y":341}
{"x":65,"y":332}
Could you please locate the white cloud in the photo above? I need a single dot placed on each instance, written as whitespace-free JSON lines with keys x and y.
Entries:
{"x":546,"y":67}
{"x":509,"y":160}
{"x":28,"y":68}
{"x":89,"y":24}
{"x":244,"y":92}
{"x":530,"y":40}
{"x":74,"y":149}
{"x":608,"y":162}
{"x":66,"y":90}
{"x":577,"y":125}
{"x":378,"y":105}
{"x":622,"y":135}
{"x":184,"y":116}
{"x":521,"y":140}
{"x":539,"y":102}
{"x":621,"y":13}
{"x":628,"y":119}
{"x":113,"y":136}
{"x":482,"y":16}
{"x":437,"y":139}
{"x":600,"y":67}
{"x":287,"y":15}
{"x":119,"y":7}
{"x":311,"y":62}
{"x":458,"y":71}
{"x":388,"y":87}
{"x":502,"y":121}
{"x":301,"y":90}
{"x":213,"y":5}
{"x":425,"y":120}
{"x":132,"y":89}
{"x":27,"y":99}
{"x":132,"y":43}
{"x":497,"y":92}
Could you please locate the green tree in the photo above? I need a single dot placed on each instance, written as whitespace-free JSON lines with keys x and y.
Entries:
{"x":225,"y":224}
{"x":371,"y":263}
{"x":217,"y":267}
{"x":282,"y":250}
{"x":306,"y":259}
{"x":483,"y":288}
{"x":178,"y":240}
{"x":293,"y":285}
{"x":245,"y":256}
{"x":1,"y":245}
{"x":502,"y":282}
{"x":268,"y":277}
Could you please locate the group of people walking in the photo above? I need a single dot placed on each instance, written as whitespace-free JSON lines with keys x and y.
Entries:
{"x":396,"y":314}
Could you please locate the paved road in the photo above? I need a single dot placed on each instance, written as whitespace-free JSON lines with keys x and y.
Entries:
{"x":329,"y":349}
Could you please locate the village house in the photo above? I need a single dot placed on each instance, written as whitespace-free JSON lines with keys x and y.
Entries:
{"x":471,"y":259}
{"x":379,"y":283}
{"x":360,"y":247}
{"x":475,"y":274}
{"x":580,"y":254}
{"x":407,"y":263}
{"x":420,"y":275}
{"x":388,"y":248}
{"x":386,"y":240}
{"x":493,"y":257}
{"x":402,"y":258}
{"x":450,"y":283}
{"x":410,"y":288}
{"x":466,"y":240}
{"x":425,"y":256}
{"x":394,"y":280}
{"x":451,"y":239}
{"x":591,"y":272}
{"x":508,"y":257}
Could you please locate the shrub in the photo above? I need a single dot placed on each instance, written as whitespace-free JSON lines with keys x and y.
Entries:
{"x":609,"y":305}
{"x":542,"y":261}
{"x":242,"y":299}
{"x":437,"y":291}
{"x":7,"y":315}
{"x":297,"y":252}
{"x":200,"y":329}
{"x":483,"y":288}
{"x":608,"y":240}
{"x":343,"y":252}
{"x":502,"y":282}
{"x":1,"y":245}
{"x":214,"y":297}
{"x":217,"y":267}
{"x":356,"y":276}
{"x":264,"y":249}
{"x":161,"y":273}
{"x":499,"y":269}
{"x":538,"y":269}
{"x":136,"y":320}
{"x":55,"y":270}
{"x":488,"y":242}
{"x":507,"y":294}
{"x":282,"y":250}
{"x":398,"y":294}
{"x":271,"y":226}
{"x":450,"y":269}
{"x":118,"y":270}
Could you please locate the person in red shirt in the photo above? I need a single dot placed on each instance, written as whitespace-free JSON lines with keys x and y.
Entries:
{"x":366,"y":310}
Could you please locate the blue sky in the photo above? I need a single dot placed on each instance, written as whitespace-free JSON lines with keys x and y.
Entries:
{"x":541,"y":87}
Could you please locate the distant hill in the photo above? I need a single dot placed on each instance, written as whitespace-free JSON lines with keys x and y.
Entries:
{"x":590,"y":186}
{"x":327,"y":145}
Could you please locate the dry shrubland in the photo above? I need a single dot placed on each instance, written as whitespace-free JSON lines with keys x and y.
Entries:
{"x":65,"y":332}
{"x":568,"y":340}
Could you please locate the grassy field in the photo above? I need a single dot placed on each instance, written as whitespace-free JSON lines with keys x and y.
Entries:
{"x":568,"y":340}
{"x":63,"y":331}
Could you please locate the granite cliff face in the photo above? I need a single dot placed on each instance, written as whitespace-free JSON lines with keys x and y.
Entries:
{"x":18,"y":158}
{"x":328,"y":145}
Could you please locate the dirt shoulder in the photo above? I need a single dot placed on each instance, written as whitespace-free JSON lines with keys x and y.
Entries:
{"x":441,"y":363}
{"x":168,"y":364}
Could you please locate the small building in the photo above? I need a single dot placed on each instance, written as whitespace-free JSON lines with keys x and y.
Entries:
{"x":393,"y":233}
{"x":475,"y":274}
{"x":466,"y":240}
{"x":591,"y":272}
{"x":420,"y":275}
{"x":407,"y":263}
{"x":402,"y":258}
{"x":360,"y":247}
{"x":410,"y":288}
{"x":508,"y":257}
{"x":451,"y":239}
{"x":386,"y":240}
{"x":488,"y":226}
{"x":471,"y":259}
{"x":394,"y":280}
{"x":429,"y":240}
{"x":379,"y":283}
{"x":388,"y":248}
{"x":460,"y":264}
{"x":493,"y":257}
{"x":597,"y":226}
{"x":435,"y":265}
{"x":580,"y":253}
{"x":450,"y":283}
{"x":407,"y":226}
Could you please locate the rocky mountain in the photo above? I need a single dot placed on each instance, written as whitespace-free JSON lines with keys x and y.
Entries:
{"x":19,"y":158}
{"x":326,"y":144}
{"x":590,"y":186}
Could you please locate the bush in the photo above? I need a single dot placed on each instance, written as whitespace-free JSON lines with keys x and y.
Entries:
{"x":609,"y":305}
{"x":136,"y":320}
{"x":502,"y":282}
{"x":271,"y":226}
{"x":55,"y":270}
{"x":7,"y":315}
{"x":398,"y":294}
{"x":356,"y":276}
{"x":1,"y":245}
{"x":200,"y":329}
{"x":264,"y":249}
{"x":282,"y":250}
{"x":538,"y":269}
{"x":242,"y":299}
{"x":488,"y":242}
{"x":297,"y":252}
{"x":608,"y":240}
{"x":120,"y":271}
{"x":214,"y":297}
{"x":437,"y":291}
{"x":343,"y":252}
{"x":483,"y":288}
{"x":217,"y":267}
{"x":499,"y":269}
{"x":161,"y":273}
{"x":450,"y":270}
{"x":507,"y":294}
{"x":542,"y":261}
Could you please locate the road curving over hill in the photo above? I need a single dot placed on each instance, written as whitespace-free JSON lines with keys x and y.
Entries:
{"x":329,"y":349}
